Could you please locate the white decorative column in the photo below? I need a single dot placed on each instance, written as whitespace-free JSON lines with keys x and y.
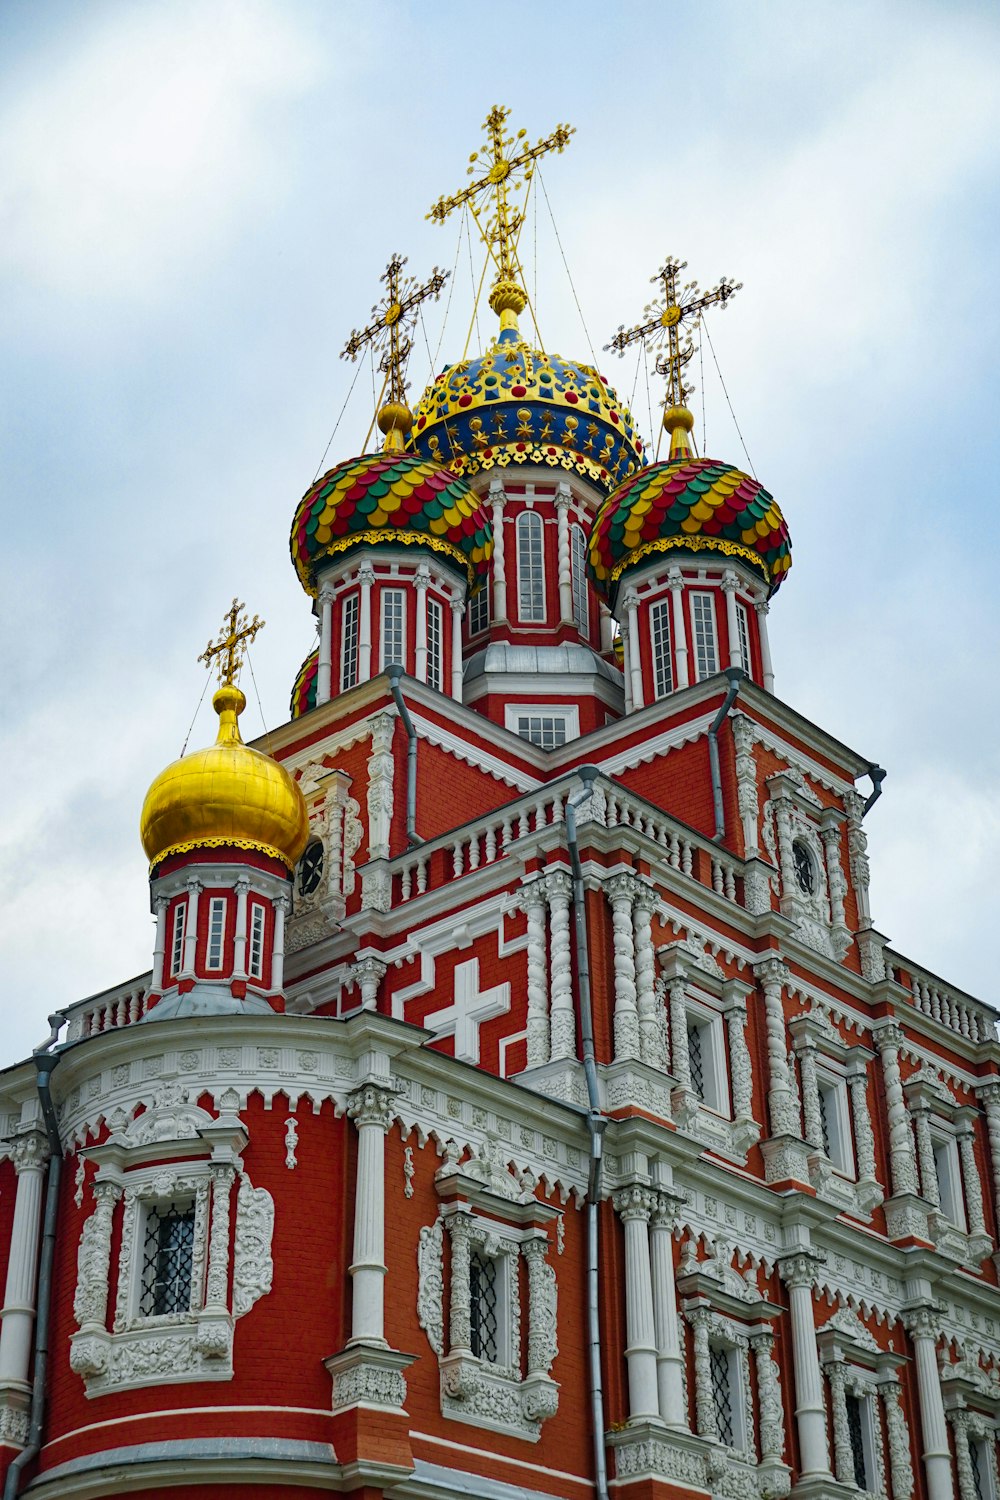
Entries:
{"x":680,"y":1062}
{"x":217,"y":1281}
{"x":533,"y":905}
{"x":370,"y":1107}
{"x":457,"y":611}
{"x":651,"y":1034}
{"x":380,"y":788}
{"x":730,"y":583}
{"x":982,"y":1241}
{"x":922,"y":1323}
{"x":240,"y":939}
{"x":889,"y":1039}
{"x":29,"y":1152}
{"x":607,"y":629}
{"x":920,"y":1111}
{"x":675,"y":582}
{"x":830,"y":834}
{"x":990,"y":1095}
{"x":798,"y":1272}
{"x":634,"y":1206}
{"x":620,"y":891}
{"x":669,"y":1359}
{"x":194,"y":887}
{"x":761,"y":608}
{"x":740,"y":1067}
{"x":563,"y":1017}
{"x":811,"y":1117}
{"x":869,"y":1189}
{"x":324,"y":670}
{"x":281,"y":906}
{"x":843,"y":1453}
{"x":562,"y":543}
{"x":747,"y":797}
{"x":368,"y":974}
{"x":704,"y":1405}
{"x":159,"y":943}
{"x":898,"y":1434}
{"x":772,"y":1414}
{"x":497,"y":500}
{"x":634,"y":649}
{"x":366,"y":577}
{"x":421,"y":582}
{"x":780,"y":1094}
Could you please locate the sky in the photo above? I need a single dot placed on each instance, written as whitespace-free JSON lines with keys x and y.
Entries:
{"x":197,"y":198}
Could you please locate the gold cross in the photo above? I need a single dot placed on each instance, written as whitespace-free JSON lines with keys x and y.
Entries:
{"x":675,"y":312}
{"x":392,"y":318}
{"x":502,"y":229}
{"x":234,"y":637}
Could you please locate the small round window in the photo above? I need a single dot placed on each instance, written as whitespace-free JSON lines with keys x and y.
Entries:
{"x":311,"y":868}
{"x":805,"y":868}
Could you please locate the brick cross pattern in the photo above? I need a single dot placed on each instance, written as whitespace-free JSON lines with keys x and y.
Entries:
{"x":469,"y":1009}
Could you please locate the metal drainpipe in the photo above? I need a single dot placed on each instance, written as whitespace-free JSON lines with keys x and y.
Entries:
{"x":395,"y":672}
{"x":597,"y":1124}
{"x":878,"y":776}
{"x":735,"y":675}
{"x":45,"y":1064}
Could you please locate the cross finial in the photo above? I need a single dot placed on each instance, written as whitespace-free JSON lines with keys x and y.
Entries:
{"x":389,"y":330}
{"x":234,"y":637}
{"x":670,"y":320}
{"x":508,"y":168}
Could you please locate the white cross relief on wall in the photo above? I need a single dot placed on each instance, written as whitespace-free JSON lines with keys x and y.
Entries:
{"x":469,"y":1009}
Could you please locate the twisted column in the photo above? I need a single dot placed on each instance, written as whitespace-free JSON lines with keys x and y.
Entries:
{"x":680,"y":1062}
{"x":971,"y":1180}
{"x":897,"y":1432}
{"x":562,"y":552}
{"x":798,"y":1272}
{"x":967,"y":1487}
{"x":929,"y":1186}
{"x":650,"y":1030}
{"x":704,"y":1405}
{"x":990,"y":1095}
{"x":740,"y":1069}
{"x":864,"y":1139}
{"x":772,"y":1414}
{"x":888,"y":1040}
{"x":843,"y":1453}
{"x":634,"y":1206}
{"x":780,"y":1094}
{"x":460,"y":1306}
{"x":620,"y":890}
{"x":563,"y":1017}
{"x":533,"y":904}
{"x":812,"y":1119}
{"x":497,"y":500}
{"x":371,"y":1109}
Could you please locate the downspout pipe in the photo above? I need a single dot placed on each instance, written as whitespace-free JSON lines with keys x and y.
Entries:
{"x":597,"y":1123}
{"x":395,"y":672}
{"x":45,"y":1062}
{"x":877,"y":775}
{"x":735,"y":676}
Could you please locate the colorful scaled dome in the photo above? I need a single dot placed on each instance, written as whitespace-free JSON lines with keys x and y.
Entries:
{"x":304,"y":687}
{"x":688,"y":504}
{"x":225,"y":796}
{"x":391,"y":498}
{"x":516,"y":405}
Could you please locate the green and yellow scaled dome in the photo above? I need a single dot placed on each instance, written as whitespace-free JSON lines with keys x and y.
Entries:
{"x":304,"y":687}
{"x":517,"y":405}
{"x":688,"y":504}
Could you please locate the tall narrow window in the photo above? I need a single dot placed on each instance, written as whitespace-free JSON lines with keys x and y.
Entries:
{"x":349,"y":643}
{"x":393,"y":626}
{"x":949,"y":1180}
{"x":255,"y":968}
{"x":706,"y":651}
{"x":216,"y":932}
{"x":578,"y":573}
{"x":177,"y":943}
{"x":696,"y":1059}
{"x":530,"y":567}
{"x":722,"y":1393}
{"x":855,"y":1427}
{"x":434,"y":633}
{"x":479,"y":611}
{"x":659,"y":630}
{"x":483,"y":1307}
{"x":743,"y":632}
{"x":168,"y":1261}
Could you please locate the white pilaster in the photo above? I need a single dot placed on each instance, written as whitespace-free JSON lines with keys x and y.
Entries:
{"x":191,"y":928}
{"x":761,"y":607}
{"x":370,"y":1107}
{"x":634,"y":1205}
{"x":29,"y":1153}
{"x":366,"y":577}
{"x":620,"y":891}
{"x":421,"y":582}
{"x":730,"y":583}
{"x":798,"y":1272}
{"x":240,"y":939}
{"x":623,"y":632}
{"x":533,"y":904}
{"x":497,"y":500}
{"x":160,"y":943}
{"x":675,"y":582}
{"x":669,"y":1360}
{"x":634,"y":648}
{"x":922,"y":1323}
{"x":457,"y":611}
{"x":281,"y":905}
{"x":324,"y":671}
{"x":563,"y":1017}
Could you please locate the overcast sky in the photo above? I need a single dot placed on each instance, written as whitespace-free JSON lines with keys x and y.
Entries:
{"x":196,"y":200}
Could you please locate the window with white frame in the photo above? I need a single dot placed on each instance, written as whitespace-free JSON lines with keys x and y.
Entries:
{"x":530,"y":567}
{"x":743,"y":636}
{"x":547,"y":731}
{"x":706,"y":648}
{"x":659,"y":634}
{"x":479,"y":610}
{"x":487,"y":1304}
{"x":982,"y":1467}
{"x":255,"y":966}
{"x":167,"y":1260}
{"x":727,"y":1395}
{"x":578,"y":573}
{"x":707,"y":1059}
{"x":349,"y":643}
{"x":393,"y":633}
{"x":177,"y":941}
{"x":834,"y":1118}
{"x":435,"y":631}
{"x":216,"y":932}
{"x":949,"y":1178}
{"x":861,"y":1430}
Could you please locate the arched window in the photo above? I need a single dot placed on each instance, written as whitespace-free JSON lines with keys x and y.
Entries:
{"x":578,"y":573}
{"x":530,"y":567}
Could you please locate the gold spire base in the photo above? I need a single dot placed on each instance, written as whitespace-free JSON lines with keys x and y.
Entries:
{"x":395,"y":421}
{"x":678,"y":421}
{"x":508,"y":301}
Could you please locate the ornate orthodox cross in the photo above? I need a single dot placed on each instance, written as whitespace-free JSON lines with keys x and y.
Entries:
{"x":675,"y":313}
{"x":234,"y":637}
{"x":510,"y":167}
{"x":392,"y":319}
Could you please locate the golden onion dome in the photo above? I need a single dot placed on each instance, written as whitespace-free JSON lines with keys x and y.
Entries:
{"x":226,"y":796}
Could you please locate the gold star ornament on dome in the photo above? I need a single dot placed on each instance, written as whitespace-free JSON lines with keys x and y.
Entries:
{"x":669,"y":322}
{"x":509,"y":165}
{"x":229,"y":650}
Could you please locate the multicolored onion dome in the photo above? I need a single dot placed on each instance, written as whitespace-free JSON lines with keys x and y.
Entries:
{"x":397,"y":499}
{"x":304,"y":690}
{"x":516,"y":405}
{"x":688,"y":504}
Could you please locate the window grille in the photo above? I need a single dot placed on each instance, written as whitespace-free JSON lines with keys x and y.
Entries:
{"x":393,"y":602}
{"x":805,"y":870}
{"x":530,"y":567}
{"x":696,"y":1059}
{"x":256,"y":966}
{"x":311,"y":868}
{"x":722,"y":1395}
{"x":975,"y":1462}
{"x":743,"y":633}
{"x":168,"y":1261}
{"x":216,"y":932}
{"x":659,"y":629}
{"x":349,"y":643}
{"x":706,"y":651}
{"x":479,"y":610}
{"x":434,"y":632}
{"x":544,"y":730}
{"x":824,"y":1120}
{"x":177,"y":946}
{"x":857,"y":1440}
{"x":578,"y":573}
{"x":484,"y":1320}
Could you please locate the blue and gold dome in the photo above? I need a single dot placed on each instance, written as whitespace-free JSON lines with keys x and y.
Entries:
{"x":518,"y":405}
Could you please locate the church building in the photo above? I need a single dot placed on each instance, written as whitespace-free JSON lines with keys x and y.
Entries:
{"x":522,"y":1101}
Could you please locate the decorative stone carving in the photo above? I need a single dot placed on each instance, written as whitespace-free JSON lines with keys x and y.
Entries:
{"x":620,"y":890}
{"x":889,"y":1039}
{"x":93,"y":1262}
{"x":253,"y":1268}
{"x":291,"y":1142}
{"x":772,"y":1414}
{"x":563,"y":1018}
{"x":747,"y":799}
{"x":430,"y":1284}
{"x":533,"y":903}
{"x":380,"y":789}
{"x":898,"y":1439}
